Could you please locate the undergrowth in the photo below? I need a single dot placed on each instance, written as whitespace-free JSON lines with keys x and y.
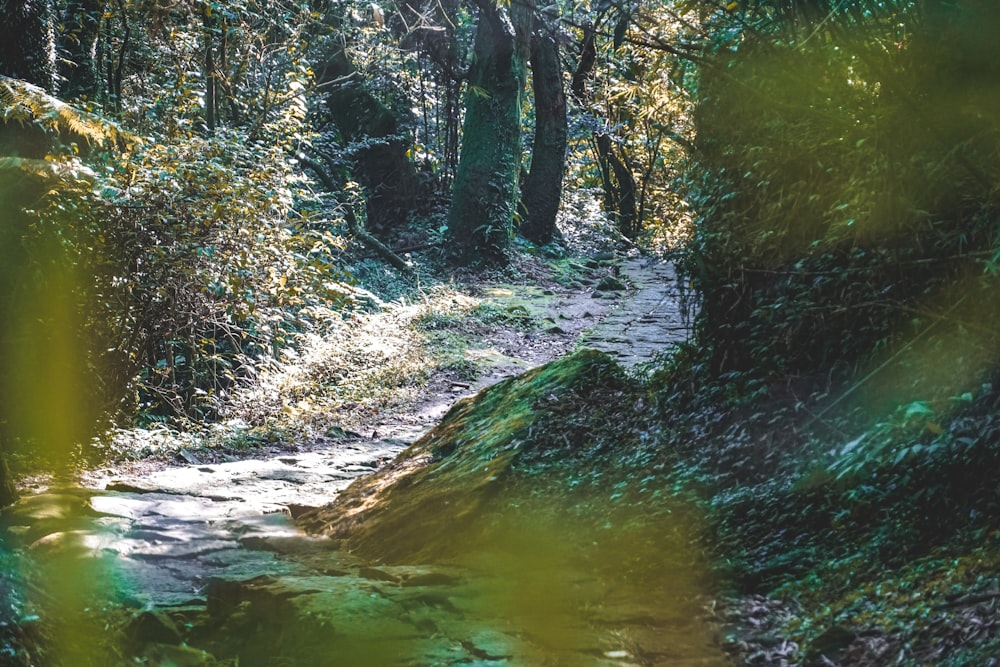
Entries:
{"x":877,"y":532}
{"x":329,"y":384}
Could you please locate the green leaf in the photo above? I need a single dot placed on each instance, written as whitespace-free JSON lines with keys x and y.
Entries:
{"x":918,"y":408}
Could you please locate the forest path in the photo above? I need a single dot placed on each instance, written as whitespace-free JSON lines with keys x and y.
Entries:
{"x":186,"y":541}
{"x":642,"y":315}
{"x":652,"y":320}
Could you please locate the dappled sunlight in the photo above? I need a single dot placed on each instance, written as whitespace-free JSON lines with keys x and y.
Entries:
{"x":70,"y":586}
{"x":364,"y":363}
{"x":326,"y":339}
{"x":68,"y":574}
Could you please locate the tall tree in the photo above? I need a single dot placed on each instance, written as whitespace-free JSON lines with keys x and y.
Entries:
{"x":543,"y":186}
{"x":431,"y":28}
{"x":617,"y":180}
{"x":484,"y":196}
{"x":619,"y":185}
{"x":211,"y":92}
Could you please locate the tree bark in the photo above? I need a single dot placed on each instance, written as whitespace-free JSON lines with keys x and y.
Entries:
{"x":430,"y":28}
{"x":211,"y":99}
{"x":8,"y":491}
{"x":484,"y":195}
{"x":543,"y":188}
{"x":27,"y":42}
{"x":77,"y":45}
{"x":619,"y":188}
{"x":585,"y":66}
{"x":616,"y":178}
{"x":380,"y":163}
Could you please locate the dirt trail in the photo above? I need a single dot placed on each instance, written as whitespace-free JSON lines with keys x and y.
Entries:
{"x":634,"y":325}
{"x":650,"y":321}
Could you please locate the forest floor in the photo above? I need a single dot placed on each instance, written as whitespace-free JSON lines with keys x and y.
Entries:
{"x":629,"y":308}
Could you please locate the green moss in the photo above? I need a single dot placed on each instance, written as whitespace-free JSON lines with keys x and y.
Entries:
{"x":437,"y":493}
{"x":497,"y":420}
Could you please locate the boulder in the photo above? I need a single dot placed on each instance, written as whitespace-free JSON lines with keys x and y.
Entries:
{"x":610,"y":284}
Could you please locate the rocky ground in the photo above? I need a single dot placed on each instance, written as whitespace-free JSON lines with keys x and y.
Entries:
{"x":209,"y":559}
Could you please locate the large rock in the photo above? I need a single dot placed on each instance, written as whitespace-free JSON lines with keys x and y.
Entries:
{"x":443,"y":490}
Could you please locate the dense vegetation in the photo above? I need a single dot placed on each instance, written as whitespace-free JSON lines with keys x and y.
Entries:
{"x":201,"y":186}
{"x":195,"y":196}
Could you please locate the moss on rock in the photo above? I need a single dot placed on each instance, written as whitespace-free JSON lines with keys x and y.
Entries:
{"x":437,"y":492}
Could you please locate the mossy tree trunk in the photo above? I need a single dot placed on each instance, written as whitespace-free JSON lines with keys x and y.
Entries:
{"x":379,"y":151}
{"x":484,"y":196}
{"x":543,"y":187}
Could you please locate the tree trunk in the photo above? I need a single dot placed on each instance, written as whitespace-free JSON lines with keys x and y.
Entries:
{"x":619,"y":188}
{"x":8,"y":491}
{"x":352,"y":221}
{"x":211,"y":99}
{"x":113,"y":62}
{"x":77,"y":44}
{"x":543,"y":187}
{"x":27,"y":42}
{"x":429,"y":27}
{"x":585,"y":66}
{"x":616,"y":178}
{"x":484,"y":196}
{"x":381,"y":165}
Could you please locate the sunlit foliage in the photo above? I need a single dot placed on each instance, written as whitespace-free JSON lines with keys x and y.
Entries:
{"x":640,"y":97}
{"x":194,"y":252}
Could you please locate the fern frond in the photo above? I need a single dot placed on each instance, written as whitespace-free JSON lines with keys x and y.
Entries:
{"x":23,"y":102}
